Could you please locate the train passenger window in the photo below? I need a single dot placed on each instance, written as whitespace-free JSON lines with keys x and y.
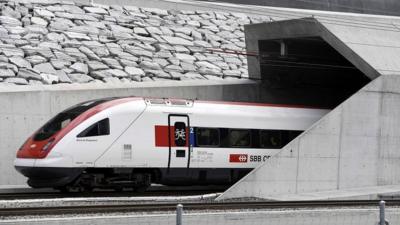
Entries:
{"x":98,"y":129}
{"x":239,"y":138}
{"x":270,"y":139}
{"x":207,"y":137}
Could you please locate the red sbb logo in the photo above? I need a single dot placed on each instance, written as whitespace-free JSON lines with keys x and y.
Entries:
{"x":238,"y":158}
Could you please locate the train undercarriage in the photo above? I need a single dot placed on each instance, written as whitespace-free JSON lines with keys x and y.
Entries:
{"x":85,"y":180}
{"x":137,"y":181}
{"x":132,"y":179}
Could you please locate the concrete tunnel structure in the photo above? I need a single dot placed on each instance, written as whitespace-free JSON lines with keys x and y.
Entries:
{"x":351,"y":65}
{"x":349,"y":50}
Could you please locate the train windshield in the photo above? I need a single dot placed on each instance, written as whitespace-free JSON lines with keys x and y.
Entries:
{"x":54,"y":125}
{"x":64,"y":118}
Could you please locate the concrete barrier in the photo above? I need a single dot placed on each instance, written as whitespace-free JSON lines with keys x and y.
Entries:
{"x":24,"y":109}
{"x":354,"y":146}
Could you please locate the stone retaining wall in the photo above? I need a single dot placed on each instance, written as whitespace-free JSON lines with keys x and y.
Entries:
{"x":52,"y":41}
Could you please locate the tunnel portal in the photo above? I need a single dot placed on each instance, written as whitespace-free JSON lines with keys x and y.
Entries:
{"x":309,"y":70}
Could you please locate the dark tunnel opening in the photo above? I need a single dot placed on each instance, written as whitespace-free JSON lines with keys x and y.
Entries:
{"x":307,"y":71}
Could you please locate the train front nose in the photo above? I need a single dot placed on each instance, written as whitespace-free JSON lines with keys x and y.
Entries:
{"x":41,"y":177}
{"x":35,"y":149}
{"x":33,"y":162}
{"x":23,"y":163}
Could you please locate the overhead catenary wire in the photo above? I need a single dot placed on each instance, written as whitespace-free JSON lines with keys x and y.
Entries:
{"x":224,"y":51}
{"x":205,"y":50}
{"x":275,"y":63}
{"x":313,"y":65}
{"x":123,"y":38}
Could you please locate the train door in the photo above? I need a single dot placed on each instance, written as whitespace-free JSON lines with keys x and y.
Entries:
{"x":179,"y":139}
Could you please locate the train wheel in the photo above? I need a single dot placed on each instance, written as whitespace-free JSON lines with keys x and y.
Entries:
{"x":118,"y":189}
{"x":141,"y":189}
{"x":87,"y":189}
{"x":64,"y":189}
{"x":142,"y":182}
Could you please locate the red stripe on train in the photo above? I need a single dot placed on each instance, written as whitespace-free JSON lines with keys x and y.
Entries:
{"x":161,"y":136}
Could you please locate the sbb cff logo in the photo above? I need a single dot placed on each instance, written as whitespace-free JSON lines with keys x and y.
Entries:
{"x":238,"y":158}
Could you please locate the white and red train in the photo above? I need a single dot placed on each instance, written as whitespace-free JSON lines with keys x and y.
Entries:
{"x":134,"y":141}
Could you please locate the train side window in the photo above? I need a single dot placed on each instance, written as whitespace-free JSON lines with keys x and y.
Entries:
{"x":239,"y":138}
{"x":270,"y":139}
{"x":255,"y":135}
{"x":98,"y":129}
{"x":207,"y":137}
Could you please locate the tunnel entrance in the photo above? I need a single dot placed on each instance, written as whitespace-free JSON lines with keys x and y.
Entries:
{"x":307,"y":71}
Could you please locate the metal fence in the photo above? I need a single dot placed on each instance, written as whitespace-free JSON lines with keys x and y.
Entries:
{"x":345,"y":216}
{"x":291,"y":216}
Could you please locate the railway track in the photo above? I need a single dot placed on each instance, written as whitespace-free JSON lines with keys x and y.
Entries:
{"x":55,"y":194}
{"x":164,"y":207}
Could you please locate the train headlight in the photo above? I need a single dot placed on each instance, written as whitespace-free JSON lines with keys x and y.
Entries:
{"x":46,"y":146}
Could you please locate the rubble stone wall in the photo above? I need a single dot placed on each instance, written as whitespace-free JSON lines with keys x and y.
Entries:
{"x":53,"y":41}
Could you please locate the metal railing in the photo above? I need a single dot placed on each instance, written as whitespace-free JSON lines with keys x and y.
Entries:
{"x":382,"y":218}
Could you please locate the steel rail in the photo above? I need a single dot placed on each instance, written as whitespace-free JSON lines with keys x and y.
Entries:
{"x":163,"y":207}
{"x":55,"y":194}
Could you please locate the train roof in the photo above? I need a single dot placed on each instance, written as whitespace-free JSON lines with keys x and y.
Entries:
{"x":84,"y":106}
{"x":181,"y":102}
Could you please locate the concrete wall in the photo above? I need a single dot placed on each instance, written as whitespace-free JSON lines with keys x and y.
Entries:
{"x":354,"y":146}
{"x":273,"y":12}
{"x":378,"y":7}
{"x":24,"y":109}
{"x":351,"y":42}
{"x":382,"y":7}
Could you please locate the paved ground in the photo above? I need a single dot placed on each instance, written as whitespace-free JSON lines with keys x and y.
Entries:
{"x":366,"y":216}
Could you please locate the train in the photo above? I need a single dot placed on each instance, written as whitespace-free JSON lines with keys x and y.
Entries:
{"x":132,"y":142}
